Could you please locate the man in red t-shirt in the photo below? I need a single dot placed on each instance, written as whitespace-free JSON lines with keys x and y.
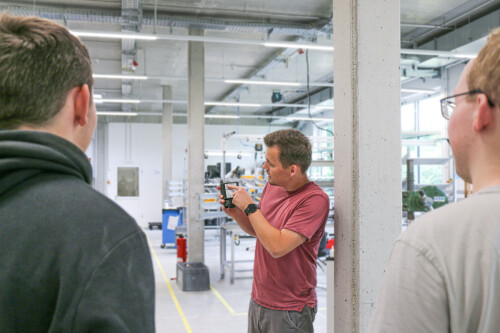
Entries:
{"x":289,"y":223}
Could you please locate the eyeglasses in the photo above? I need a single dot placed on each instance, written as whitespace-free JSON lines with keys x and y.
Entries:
{"x":448,"y":103}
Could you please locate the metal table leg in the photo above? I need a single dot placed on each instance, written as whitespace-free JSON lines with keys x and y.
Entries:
{"x":231,"y":280}
{"x":222,"y":252}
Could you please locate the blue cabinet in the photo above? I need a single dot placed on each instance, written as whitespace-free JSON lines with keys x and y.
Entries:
{"x":171,"y":218}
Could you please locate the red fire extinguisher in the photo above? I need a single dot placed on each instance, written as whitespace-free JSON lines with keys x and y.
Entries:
{"x":181,"y":249}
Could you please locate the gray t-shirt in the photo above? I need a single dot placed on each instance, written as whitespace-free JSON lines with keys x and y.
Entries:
{"x":444,"y":271}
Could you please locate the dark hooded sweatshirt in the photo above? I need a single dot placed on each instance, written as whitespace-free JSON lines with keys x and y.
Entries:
{"x":71,"y":260}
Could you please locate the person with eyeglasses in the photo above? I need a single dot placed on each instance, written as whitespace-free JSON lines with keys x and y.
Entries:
{"x":443,"y":274}
{"x":71,"y":260}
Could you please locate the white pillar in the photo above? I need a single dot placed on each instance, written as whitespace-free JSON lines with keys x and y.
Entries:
{"x":167,"y":121}
{"x":101,"y":137}
{"x":196,"y":147}
{"x":367,"y":153}
{"x":330,"y":294}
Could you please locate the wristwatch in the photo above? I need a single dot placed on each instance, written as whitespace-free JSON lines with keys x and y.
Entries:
{"x":251,"y":208}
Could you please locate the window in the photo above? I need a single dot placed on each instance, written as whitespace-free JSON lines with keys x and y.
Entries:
{"x":128,"y":182}
{"x":408,"y":117}
{"x":429,"y":114}
{"x":425,"y":116}
{"x":322,"y":147}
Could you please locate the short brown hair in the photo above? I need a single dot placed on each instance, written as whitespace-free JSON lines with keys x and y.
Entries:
{"x":295,"y":147}
{"x":40,"y":62}
{"x":485,"y":70}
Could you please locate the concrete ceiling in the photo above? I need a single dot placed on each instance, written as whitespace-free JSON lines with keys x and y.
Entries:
{"x":424,"y":24}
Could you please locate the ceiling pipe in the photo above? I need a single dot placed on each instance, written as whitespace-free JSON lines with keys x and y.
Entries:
{"x":110,"y":16}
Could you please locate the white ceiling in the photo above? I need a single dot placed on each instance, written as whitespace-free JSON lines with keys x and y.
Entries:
{"x":422,"y":22}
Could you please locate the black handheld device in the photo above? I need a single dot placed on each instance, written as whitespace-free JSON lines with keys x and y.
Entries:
{"x":227,"y":193}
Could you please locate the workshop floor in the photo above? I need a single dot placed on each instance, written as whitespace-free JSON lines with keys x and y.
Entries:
{"x":223,"y":309}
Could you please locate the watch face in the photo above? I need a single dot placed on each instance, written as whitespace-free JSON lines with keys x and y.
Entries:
{"x":252,"y":208}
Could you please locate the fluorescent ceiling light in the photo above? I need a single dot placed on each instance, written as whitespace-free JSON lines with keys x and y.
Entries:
{"x":192,"y":38}
{"x":321,"y":107}
{"x":445,"y":54}
{"x":117,"y":113}
{"x":116,"y":35}
{"x":232,"y":81}
{"x":229,"y":81}
{"x":306,"y":111}
{"x":230,"y":104}
{"x":427,"y":91}
{"x":224,"y":116}
{"x":269,"y":83}
{"x":220,"y":116}
{"x":110,"y":100}
{"x":278,"y":44}
{"x":298,"y":46}
{"x":219,"y":153}
{"x":249,"y":105}
{"x":309,"y":119}
{"x":119,"y":76}
{"x":254,"y":116}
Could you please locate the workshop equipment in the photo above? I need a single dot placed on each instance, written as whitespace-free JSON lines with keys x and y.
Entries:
{"x":422,"y":200}
{"x":425,"y":199}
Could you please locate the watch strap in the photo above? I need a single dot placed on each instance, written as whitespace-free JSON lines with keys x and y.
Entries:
{"x":251,"y":208}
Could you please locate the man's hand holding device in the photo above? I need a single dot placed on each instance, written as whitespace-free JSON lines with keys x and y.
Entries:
{"x":233,"y":196}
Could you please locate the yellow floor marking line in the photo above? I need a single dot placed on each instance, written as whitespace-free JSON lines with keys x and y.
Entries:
{"x":174,"y":298}
{"x":226,"y":304}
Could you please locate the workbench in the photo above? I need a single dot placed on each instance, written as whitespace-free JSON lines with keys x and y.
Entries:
{"x":230,"y":229}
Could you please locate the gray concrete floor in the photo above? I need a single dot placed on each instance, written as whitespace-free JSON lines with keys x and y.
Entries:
{"x":221,"y":309}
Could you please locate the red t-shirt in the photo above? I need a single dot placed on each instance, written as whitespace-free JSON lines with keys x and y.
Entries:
{"x":289,"y":282}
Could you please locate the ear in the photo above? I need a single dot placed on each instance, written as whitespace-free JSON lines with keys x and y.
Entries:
{"x":294,"y":169}
{"x":81,"y":100}
{"x":483,"y":116}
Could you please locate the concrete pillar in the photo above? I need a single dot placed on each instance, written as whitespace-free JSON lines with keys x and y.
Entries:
{"x":196,"y":146}
{"x":101,"y":157}
{"x":167,"y":122}
{"x":367,"y":153}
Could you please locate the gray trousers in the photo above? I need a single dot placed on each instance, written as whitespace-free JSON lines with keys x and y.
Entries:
{"x":264,"y":320}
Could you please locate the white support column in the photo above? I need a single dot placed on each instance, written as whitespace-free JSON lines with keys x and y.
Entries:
{"x":196,"y":147}
{"x":167,"y":121}
{"x":367,"y":153}
{"x":101,"y":137}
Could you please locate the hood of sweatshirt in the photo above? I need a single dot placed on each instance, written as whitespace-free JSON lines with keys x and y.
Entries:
{"x":24,"y":154}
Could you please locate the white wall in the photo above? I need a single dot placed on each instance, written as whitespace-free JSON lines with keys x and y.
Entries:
{"x":139,"y":145}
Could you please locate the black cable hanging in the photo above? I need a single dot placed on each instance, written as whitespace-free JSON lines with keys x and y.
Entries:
{"x":309,"y":98}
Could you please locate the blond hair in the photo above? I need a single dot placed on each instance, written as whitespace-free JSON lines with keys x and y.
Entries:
{"x":485,"y":70}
